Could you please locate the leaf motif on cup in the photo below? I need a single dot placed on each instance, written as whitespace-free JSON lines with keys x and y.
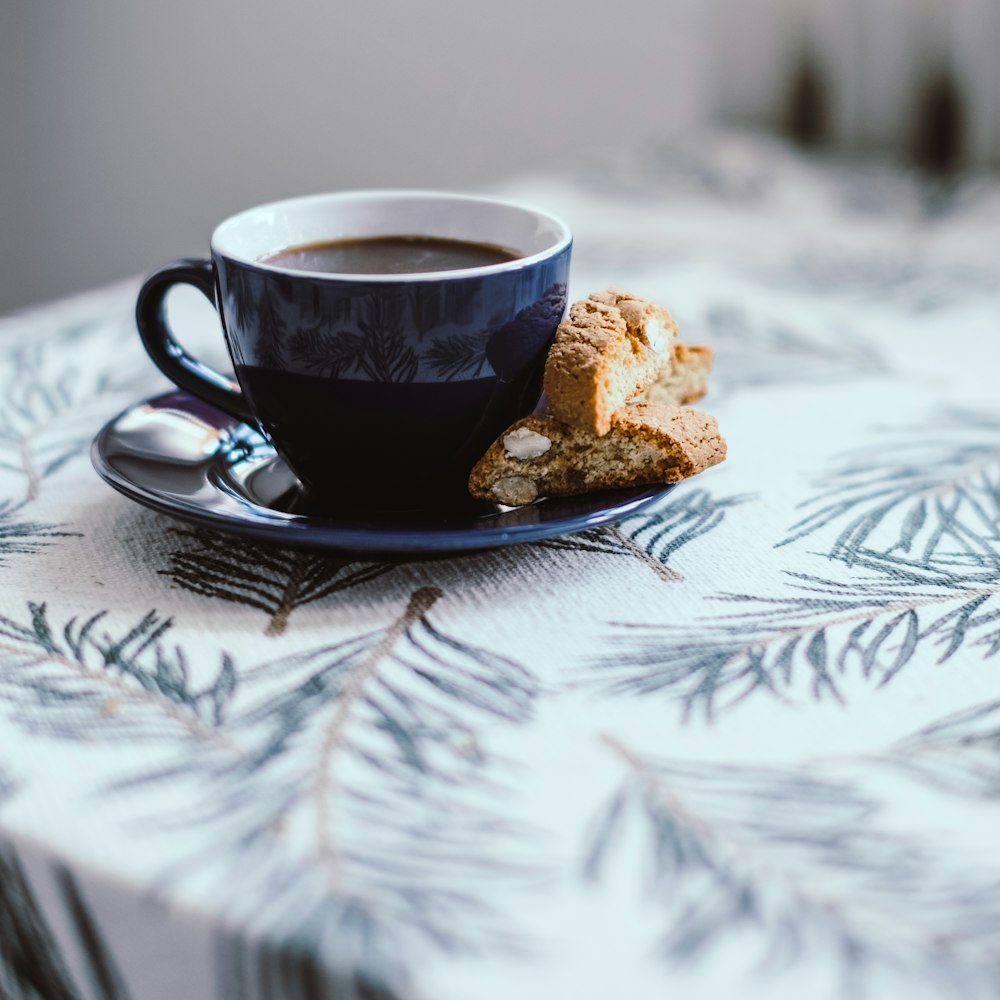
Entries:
{"x":460,"y":354}
{"x":379,"y":350}
{"x":327,"y":354}
{"x":272,"y":330}
{"x":387,"y":357}
{"x":380,"y":355}
{"x":241,"y":300}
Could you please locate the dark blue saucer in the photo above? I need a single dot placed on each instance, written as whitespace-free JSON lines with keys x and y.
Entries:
{"x":182,"y":457}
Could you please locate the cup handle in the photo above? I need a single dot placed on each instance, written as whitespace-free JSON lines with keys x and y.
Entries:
{"x":181,"y":368}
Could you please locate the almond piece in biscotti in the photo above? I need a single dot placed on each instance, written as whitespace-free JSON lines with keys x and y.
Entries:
{"x":647,"y":442}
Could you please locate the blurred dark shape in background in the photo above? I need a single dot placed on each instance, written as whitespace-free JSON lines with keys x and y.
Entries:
{"x":937,"y":138}
{"x":938,"y":130}
{"x":807,"y":119}
{"x":129,"y":129}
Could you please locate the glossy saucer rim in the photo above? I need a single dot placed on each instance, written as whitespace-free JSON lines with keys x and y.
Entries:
{"x":389,"y":534}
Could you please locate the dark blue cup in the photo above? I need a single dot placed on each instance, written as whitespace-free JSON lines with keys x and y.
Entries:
{"x":376,"y":389}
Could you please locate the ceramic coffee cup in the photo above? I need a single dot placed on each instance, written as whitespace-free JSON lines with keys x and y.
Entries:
{"x":375,"y":388}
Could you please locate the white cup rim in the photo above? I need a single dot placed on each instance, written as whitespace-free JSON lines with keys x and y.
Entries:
{"x":232,"y":237}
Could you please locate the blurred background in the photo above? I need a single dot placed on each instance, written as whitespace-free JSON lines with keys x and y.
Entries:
{"x":130,"y":128}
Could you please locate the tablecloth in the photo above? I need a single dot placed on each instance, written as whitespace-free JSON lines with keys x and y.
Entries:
{"x":745,"y":743}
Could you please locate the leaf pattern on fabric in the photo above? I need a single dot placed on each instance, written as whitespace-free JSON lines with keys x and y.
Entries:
{"x":275,"y":580}
{"x":958,"y":754}
{"x":372,"y":749}
{"x":753,"y":354}
{"x":806,"y":864}
{"x":654,"y":539}
{"x":25,"y":537}
{"x":806,"y":644}
{"x":263,"y":970}
{"x":33,"y":965}
{"x":915,"y":286}
{"x":382,"y":800}
{"x":349,"y":733}
{"x":917,"y":523}
{"x":928,"y":495}
{"x":48,"y":392}
{"x":84,"y":679}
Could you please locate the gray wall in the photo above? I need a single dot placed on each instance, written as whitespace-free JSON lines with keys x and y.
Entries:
{"x":130,"y":127}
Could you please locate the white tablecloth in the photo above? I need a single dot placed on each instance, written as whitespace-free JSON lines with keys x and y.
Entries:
{"x":743,"y":745}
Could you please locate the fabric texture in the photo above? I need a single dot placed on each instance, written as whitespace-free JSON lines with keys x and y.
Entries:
{"x":742,"y":745}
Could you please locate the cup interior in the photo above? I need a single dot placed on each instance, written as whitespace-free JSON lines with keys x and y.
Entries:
{"x":267,"y":229}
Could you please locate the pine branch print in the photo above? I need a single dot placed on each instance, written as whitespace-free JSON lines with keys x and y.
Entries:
{"x":272,"y":331}
{"x":372,"y":749}
{"x":272,"y":579}
{"x":106,"y":981}
{"x":958,"y":754}
{"x":813,"y":643}
{"x":387,"y":356}
{"x":929,"y":494}
{"x":801,"y":863}
{"x":918,"y":286}
{"x":84,"y":680}
{"x":327,"y":353}
{"x":596,"y":540}
{"x":654,"y":538}
{"x":685,"y":516}
{"x":375,"y":348}
{"x":33,"y":965}
{"x":462,"y":354}
{"x":242,"y":297}
{"x":918,"y":533}
{"x":46,"y":399}
{"x":351,"y":962}
{"x":747,"y":350}
{"x":334,"y":732}
{"x":25,"y":537}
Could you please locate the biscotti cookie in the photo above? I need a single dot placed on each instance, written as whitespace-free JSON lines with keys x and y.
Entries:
{"x":611,"y":347}
{"x":687,"y":380}
{"x":646,"y":443}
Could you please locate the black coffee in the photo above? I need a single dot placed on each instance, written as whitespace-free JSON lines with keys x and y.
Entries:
{"x":390,"y":255}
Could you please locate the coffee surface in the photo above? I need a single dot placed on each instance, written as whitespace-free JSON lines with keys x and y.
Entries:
{"x":390,"y":255}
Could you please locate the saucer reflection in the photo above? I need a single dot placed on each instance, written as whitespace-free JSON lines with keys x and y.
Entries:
{"x":166,"y":435}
